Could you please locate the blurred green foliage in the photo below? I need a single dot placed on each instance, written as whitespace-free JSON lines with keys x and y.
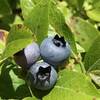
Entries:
{"x":33,"y":20}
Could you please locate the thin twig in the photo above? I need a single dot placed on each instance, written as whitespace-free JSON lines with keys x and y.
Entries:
{"x":30,"y":89}
{"x":80,"y":62}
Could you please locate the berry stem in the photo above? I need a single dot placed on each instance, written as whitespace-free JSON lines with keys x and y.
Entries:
{"x":82,"y":67}
{"x":80,"y":62}
{"x":30,"y":89}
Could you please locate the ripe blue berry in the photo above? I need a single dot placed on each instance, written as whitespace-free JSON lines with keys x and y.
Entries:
{"x":54,"y":50}
{"x":29,"y":55}
{"x":42,"y":76}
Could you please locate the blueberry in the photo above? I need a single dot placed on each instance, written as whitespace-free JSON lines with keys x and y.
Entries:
{"x":29,"y":55}
{"x":42,"y":76}
{"x":54,"y":50}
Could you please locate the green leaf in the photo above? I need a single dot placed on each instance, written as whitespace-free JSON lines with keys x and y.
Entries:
{"x":37,"y":20}
{"x":92,"y":8}
{"x":94,"y":3}
{"x":30,"y":98}
{"x":80,"y":49}
{"x":27,"y":6}
{"x":92,"y":58}
{"x":95,"y":78}
{"x":75,"y":3}
{"x":18,"y":38}
{"x":4,"y":8}
{"x":2,"y":46}
{"x":17,"y":20}
{"x":94,"y":14}
{"x":11,"y":86}
{"x":95,"y":66}
{"x":36,"y":1}
{"x":6,"y":21}
{"x":92,"y":61}
{"x":73,"y":86}
{"x":85,"y":32}
{"x":57,"y":20}
{"x":3,"y":37}
{"x":67,"y":94}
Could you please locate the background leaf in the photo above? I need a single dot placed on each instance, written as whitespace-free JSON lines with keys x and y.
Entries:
{"x":37,"y":20}
{"x":92,"y":61}
{"x":3,"y":37}
{"x":95,"y":78}
{"x":77,"y":4}
{"x":57,"y":20}
{"x":30,"y":98}
{"x":73,"y":86}
{"x":76,"y":20}
{"x":4,"y":8}
{"x":18,"y":38}
{"x":27,"y":6}
{"x":11,"y":85}
{"x":94,"y":3}
{"x":85,"y":32}
{"x":92,"y":58}
{"x":94,"y":14}
{"x":94,"y":9}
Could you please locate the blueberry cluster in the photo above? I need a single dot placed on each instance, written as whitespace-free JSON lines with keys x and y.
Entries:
{"x":42,"y":74}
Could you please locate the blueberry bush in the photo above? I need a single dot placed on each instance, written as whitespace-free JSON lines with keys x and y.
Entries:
{"x":50,"y":49}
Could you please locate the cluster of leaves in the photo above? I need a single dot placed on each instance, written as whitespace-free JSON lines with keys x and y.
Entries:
{"x":33,"y":20}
